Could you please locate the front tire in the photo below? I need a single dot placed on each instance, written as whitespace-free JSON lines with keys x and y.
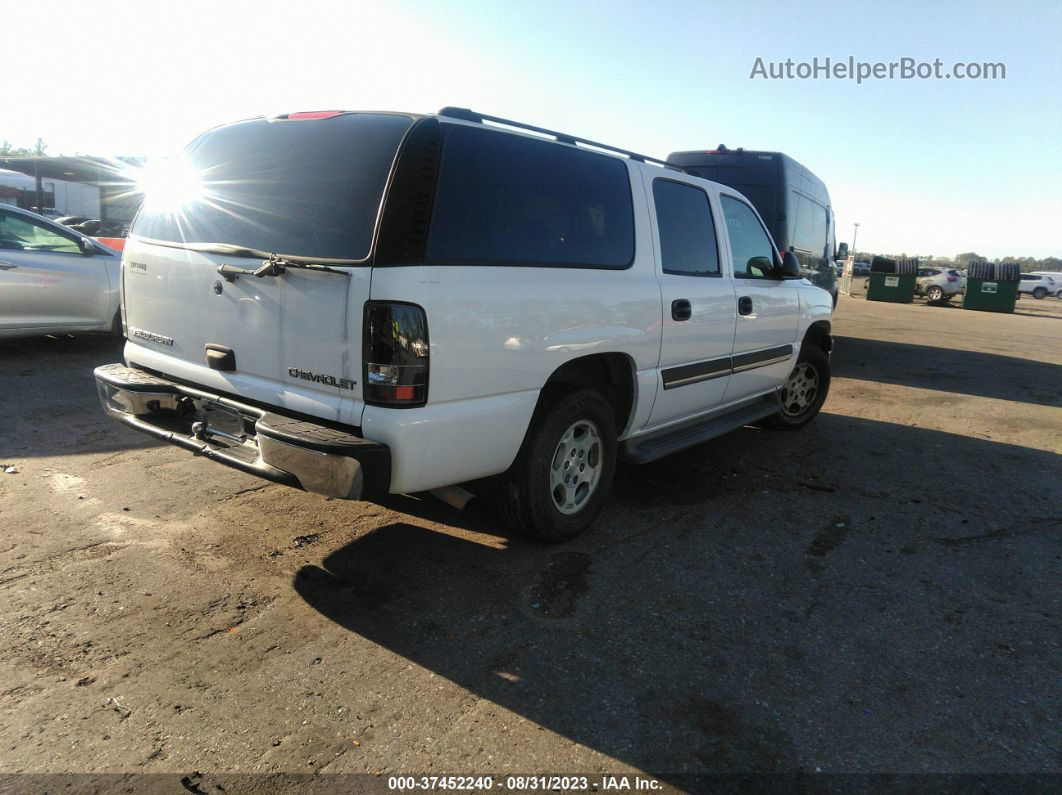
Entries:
{"x":935,"y":294}
{"x":804,"y":392}
{"x":561,"y":477}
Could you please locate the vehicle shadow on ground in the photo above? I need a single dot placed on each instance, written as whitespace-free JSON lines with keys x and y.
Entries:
{"x":49,"y":403}
{"x":690,"y":630}
{"x":975,"y":373}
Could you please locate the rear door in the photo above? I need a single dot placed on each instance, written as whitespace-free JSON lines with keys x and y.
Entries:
{"x":46,"y":281}
{"x":306,"y":188}
{"x":768,"y":308}
{"x":698,"y":300}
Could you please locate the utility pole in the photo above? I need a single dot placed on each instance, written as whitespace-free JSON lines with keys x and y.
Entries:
{"x":855,"y":233}
{"x":39,"y":186}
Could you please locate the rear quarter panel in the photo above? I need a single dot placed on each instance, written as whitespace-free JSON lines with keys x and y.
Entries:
{"x":497,"y":333}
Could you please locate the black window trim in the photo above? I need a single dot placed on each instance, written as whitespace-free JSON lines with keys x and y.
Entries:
{"x":481,"y":263}
{"x":770,"y":239}
{"x":715,"y":232}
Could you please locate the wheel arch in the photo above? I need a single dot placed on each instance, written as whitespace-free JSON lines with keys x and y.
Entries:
{"x":613,"y":374}
{"x":820,"y":335}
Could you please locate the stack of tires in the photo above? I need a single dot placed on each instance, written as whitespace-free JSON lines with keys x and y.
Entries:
{"x":892,"y":280}
{"x":991,"y":287}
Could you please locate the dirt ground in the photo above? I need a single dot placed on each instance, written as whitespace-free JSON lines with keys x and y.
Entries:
{"x":879,"y":592}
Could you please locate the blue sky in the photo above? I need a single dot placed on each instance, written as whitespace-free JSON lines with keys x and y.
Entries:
{"x":929,"y":167}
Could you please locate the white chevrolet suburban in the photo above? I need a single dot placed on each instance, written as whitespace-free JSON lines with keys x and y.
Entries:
{"x":358,"y":304}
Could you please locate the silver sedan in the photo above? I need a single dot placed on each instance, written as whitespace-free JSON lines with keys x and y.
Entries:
{"x":54,"y":279}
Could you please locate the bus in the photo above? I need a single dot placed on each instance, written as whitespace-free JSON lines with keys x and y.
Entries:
{"x":792,"y":201}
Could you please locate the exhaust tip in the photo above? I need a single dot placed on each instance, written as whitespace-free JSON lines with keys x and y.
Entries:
{"x":454,"y":496}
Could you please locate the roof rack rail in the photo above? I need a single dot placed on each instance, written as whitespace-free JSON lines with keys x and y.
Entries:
{"x":466,"y":114}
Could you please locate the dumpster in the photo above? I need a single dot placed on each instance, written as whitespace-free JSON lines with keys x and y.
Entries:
{"x":892,"y":280}
{"x":991,"y":287}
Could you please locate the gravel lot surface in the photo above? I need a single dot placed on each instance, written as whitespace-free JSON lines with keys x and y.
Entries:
{"x":879,"y":592}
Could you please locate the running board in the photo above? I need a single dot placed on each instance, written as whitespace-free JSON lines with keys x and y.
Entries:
{"x":651,"y":446}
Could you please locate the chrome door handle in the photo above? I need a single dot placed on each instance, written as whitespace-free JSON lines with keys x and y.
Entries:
{"x":6,"y":266}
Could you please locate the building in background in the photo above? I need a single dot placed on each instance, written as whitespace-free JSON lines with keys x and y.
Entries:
{"x":93,"y":187}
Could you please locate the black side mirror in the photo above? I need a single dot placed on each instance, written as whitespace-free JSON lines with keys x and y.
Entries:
{"x":842,"y":251}
{"x":790,"y":266}
{"x":760,"y":267}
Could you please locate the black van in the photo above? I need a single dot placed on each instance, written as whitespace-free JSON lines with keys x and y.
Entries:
{"x":792,"y":201}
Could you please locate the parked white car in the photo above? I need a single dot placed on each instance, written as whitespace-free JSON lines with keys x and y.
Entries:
{"x":1056,"y":276}
{"x":54,"y":279}
{"x":1038,"y":286}
{"x":411,"y":302}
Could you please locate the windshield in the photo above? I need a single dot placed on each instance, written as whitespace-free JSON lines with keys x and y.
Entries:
{"x":308,"y":188}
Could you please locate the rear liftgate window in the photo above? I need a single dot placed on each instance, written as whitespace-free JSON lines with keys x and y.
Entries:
{"x":307,"y":188}
{"x":505,"y":199}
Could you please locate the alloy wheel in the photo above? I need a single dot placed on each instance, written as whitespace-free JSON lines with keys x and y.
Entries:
{"x":576,"y":467}
{"x":800,"y":390}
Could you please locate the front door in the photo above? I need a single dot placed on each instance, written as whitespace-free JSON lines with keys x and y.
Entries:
{"x":768,"y":308}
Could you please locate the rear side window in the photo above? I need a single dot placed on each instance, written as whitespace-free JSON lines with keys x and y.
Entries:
{"x":687,"y":232}
{"x":511,"y":200}
{"x":302,"y":188}
{"x":811,"y":226}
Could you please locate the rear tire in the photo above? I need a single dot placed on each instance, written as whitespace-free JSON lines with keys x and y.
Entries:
{"x":1040,"y":292}
{"x":116,"y":324}
{"x":561,"y":477}
{"x":804,"y":392}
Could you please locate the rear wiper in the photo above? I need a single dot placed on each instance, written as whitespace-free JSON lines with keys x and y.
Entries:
{"x":272,"y":263}
{"x":222,"y":248}
{"x":274,"y":266}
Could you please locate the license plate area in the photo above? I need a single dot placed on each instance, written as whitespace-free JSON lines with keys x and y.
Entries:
{"x":215,"y":420}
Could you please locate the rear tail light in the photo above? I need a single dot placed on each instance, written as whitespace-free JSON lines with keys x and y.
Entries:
{"x":395,"y":354}
{"x":952,"y":279}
